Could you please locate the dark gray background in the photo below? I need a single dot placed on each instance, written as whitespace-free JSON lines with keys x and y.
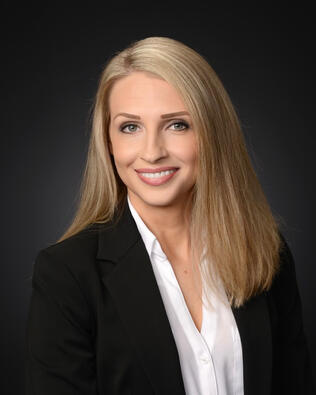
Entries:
{"x":53,"y":58}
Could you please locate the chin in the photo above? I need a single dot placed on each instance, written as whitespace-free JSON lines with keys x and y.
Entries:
{"x":158,"y":198}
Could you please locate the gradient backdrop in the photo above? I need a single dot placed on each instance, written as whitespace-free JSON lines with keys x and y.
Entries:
{"x":53,"y":59}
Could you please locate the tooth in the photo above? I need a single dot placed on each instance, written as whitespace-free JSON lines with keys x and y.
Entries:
{"x":158,"y":174}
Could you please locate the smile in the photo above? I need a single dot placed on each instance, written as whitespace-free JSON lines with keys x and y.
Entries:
{"x":157,"y":175}
{"x":157,"y":178}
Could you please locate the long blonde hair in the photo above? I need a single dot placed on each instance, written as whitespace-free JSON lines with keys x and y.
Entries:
{"x":241,"y":239}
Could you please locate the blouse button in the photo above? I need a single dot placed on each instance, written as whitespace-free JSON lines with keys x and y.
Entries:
{"x":204,"y":360}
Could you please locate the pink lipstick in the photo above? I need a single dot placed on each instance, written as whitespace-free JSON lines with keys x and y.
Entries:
{"x":151,"y":176}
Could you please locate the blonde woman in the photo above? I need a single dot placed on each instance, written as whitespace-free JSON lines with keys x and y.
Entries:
{"x":173,"y":277}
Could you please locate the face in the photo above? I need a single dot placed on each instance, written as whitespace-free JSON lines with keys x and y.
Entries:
{"x":146,"y":138}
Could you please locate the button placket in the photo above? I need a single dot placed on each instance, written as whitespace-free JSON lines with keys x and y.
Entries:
{"x":203,"y":354}
{"x":208,"y":369}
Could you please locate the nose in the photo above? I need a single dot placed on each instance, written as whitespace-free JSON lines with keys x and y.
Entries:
{"x":153,"y":146}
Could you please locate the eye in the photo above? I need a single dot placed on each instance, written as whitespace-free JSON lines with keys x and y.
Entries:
{"x":127,"y":126}
{"x":180,"y":123}
{"x":131,"y":127}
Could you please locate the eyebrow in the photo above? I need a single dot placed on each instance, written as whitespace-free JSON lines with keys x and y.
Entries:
{"x":172,"y":114}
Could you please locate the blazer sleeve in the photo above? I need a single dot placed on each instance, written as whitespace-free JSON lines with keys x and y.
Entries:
{"x":292,"y":370}
{"x":60,"y":357}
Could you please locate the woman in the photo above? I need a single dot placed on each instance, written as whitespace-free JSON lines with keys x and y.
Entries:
{"x":173,"y":277}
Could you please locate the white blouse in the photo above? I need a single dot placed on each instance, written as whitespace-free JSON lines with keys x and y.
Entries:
{"x":211,"y":360}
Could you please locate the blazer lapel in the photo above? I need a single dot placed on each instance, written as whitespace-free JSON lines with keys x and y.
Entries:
{"x":135,"y":292}
{"x":253,"y":323}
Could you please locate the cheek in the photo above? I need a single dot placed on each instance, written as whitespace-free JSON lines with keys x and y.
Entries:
{"x":123,"y":152}
{"x":186,"y":151}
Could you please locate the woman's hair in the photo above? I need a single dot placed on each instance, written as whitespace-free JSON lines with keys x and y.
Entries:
{"x":232,"y":226}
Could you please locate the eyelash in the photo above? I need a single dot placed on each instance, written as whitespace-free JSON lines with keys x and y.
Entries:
{"x":133,"y":124}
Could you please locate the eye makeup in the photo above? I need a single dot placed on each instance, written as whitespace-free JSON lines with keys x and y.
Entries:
{"x":180,"y":122}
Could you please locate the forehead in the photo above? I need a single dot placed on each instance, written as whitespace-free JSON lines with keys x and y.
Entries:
{"x":143,"y":89}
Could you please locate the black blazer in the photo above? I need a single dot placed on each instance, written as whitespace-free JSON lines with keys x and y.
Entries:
{"x":97,"y":323}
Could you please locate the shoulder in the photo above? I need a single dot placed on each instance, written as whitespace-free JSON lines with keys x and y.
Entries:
{"x":287,"y":270}
{"x":284,"y":290}
{"x":65,"y":281}
{"x":291,"y":353}
{"x":69,"y":264}
{"x":83,"y":242}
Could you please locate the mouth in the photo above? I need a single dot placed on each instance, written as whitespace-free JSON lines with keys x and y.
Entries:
{"x":157,"y":170}
{"x":157,"y":177}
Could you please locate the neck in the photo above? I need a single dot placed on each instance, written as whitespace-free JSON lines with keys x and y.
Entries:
{"x":169,"y":223}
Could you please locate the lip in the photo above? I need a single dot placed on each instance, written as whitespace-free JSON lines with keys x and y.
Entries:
{"x":159,"y":180}
{"x":156,"y":170}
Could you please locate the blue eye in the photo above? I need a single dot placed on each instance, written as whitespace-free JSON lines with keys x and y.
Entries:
{"x":181,"y":123}
{"x":128,"y":125}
